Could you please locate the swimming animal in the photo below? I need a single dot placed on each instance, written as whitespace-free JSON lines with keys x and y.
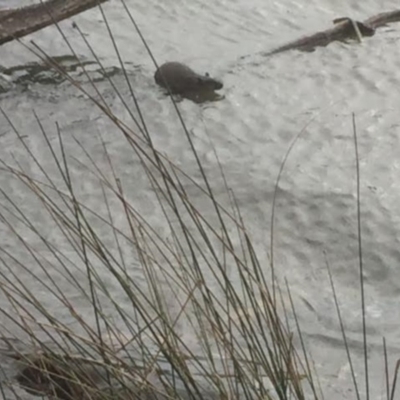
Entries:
{"x":179,"y":79}
{"x":343,"y":30}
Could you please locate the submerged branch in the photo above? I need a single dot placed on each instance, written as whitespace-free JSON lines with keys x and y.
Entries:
{"x":345,"y":28}
{"x":19,"y":22}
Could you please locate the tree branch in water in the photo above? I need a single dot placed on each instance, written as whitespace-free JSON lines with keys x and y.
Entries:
{"x":19,"y":22}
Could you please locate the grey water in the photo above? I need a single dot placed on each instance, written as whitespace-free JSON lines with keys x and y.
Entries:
{"x":267,"y":103}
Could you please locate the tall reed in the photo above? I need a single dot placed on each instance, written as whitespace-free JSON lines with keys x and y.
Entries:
{"x":135,"y":282}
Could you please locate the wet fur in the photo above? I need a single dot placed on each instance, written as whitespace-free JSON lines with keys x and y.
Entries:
{"x":180,"y":79}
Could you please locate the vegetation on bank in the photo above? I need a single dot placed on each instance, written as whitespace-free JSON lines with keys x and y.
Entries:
{"x":132,"y":346}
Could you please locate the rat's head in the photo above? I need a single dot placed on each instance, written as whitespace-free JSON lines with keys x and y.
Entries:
{"x":208,"y":83}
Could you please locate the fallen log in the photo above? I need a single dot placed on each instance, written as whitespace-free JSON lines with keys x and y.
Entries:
{"x":383,"y":19}
{"x":18,"y":22}
{"x":344,"y":29}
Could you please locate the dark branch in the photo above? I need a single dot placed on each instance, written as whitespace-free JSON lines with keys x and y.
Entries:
{"x":19,"y":22}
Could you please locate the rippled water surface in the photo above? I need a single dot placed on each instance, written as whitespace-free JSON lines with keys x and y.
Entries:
{"x":268,"y":101}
